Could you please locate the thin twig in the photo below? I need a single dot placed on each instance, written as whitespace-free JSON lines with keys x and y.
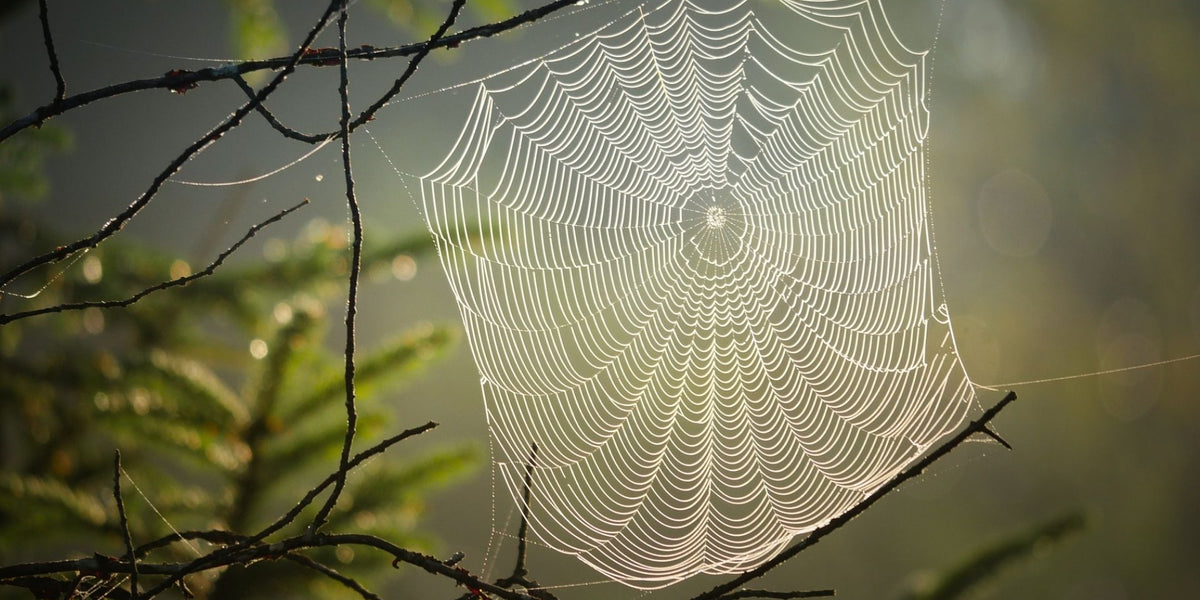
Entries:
{"x":207,"y":271}
{"x":778,"y":595}
{"x":369,"y":113}
{"x":49,"y":587}
{"x":429,"y":563}
{"x":329,"y":572}
{"x":721,"y":592}
{"x":355,"y":268}
{"x":60,"y":86}
{"x":988,"y":431}
{"x":526,"y":497}
{"x":129,"y":550}
{"x":118,"y":222}
{"x":520,"y":572}
{"x":275,"y":123}
{"x":180,"y":79}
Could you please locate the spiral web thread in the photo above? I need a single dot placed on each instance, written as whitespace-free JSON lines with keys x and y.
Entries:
{"x":707,"y":291}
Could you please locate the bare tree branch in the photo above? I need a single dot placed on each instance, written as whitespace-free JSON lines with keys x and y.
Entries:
{"x":181,"y":79}
{"x":133,"y":570}
{"x":60,"y":86}
{"x":356,"y":223}
{"x":240,"y":555}
{"x":179,"y":281}
{"x":783,"y":595}
{"x":355,"y":268}
{"x":286,"y":131}
{"x":519,"y":570}
{"x":722,"y":591}
{"x":369,"y":114}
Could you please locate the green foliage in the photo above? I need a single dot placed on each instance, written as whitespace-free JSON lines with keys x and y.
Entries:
{"x":217,"y":437}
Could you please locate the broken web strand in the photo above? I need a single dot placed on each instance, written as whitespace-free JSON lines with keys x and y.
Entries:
{"x":710,"y":300}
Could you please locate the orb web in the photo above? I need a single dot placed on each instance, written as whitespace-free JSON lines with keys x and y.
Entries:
{"x":692,"y":256}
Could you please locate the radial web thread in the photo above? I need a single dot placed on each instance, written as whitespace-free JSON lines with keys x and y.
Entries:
{"x":706,"y":287}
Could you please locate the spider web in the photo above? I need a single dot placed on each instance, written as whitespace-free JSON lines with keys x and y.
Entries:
{"x":706,"y":288}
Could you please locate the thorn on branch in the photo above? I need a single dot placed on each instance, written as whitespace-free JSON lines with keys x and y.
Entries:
{"x":355,"y":270}
{"x":988,"y":431}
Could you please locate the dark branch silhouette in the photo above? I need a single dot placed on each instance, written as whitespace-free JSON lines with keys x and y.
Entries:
{"x":60,"y":86}
{"x":130,"y":552}
{"x":181,"y":79}
{"x":783,"y":595}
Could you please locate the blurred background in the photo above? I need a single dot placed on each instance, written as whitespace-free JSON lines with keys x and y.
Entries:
{"x":1065,"y":192}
